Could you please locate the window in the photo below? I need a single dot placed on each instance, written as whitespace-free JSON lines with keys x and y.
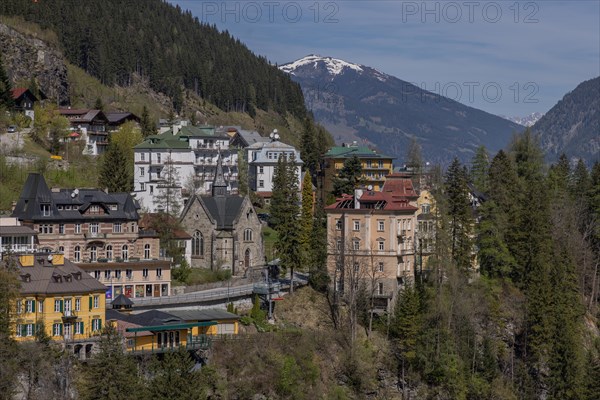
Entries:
{"x":96,"y":324}
{"x":46,"y":228}
{"x":158,"y":158}
{"x":97,"y":274}
{"x":356,"y":225}
{"x":338,"y":244}
{"x":19,"y":306}
{"x":142,"y":186}
{"x":128,"y":273}
{"x":79,"y":328}
{"x":45,"y":208}
{"x":29,"y":306}
{"x":425,"y":208}
{"x":56,"y":329}
{"x":356,"y":267}
{"x":338,"y":224}
{"x":158,"y":272}
{"x":355,"y":245}
{"x":61,"y":229}
{"x":145,"y":272}
{"x":147,"y":251}
{"x":151,"y":189}
{"x":125,"y":252}
{"x":117,"y":227}
{"x":96,"y":301}
{"x":380,"y":226}
{"x":197,"y":244}
{"x":117,"y":273}
{"x":94,"y":209}
{"x":380,"y":288}
{"x":29,"y":330}
{"x":41,"y":306}
{"x":61,"y":249}
{"x":142,"y":171}
{"x":369,"y":164}
{"x":94,"y":228}
{"x":93,"y":253}
{"x":77,"y":304}
{"x":381,"y":245}
{"x":261,"y":183}
{"x":77,"y":228}
{"x":109,"y":252}
{"x":248,"y":235}
{"x":107,"y":274}
{"x":261,"y":170}
{"x":57,"y":306}
{"x":142,"y":156}
{"x":380,"y":267}
{"x":380,"y":163}
{"x":77,"y":253}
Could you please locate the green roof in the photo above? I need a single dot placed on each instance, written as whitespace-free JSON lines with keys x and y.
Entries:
{"x":199,"y":131}
{"x":157,"y":328}
{"x":359,"y":151}
{"x":163,"y":142}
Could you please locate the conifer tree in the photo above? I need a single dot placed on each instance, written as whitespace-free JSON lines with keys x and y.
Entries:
{"x":580,"y":181}
{"x":174,"y":377}
{"x":242,"y":165}
{"x":459,"y":213}
{"x":319,"y":277}
{"x":406,"y":325}
{"x":479,"y":169}
{"x":308,"y":147}
{"x":115,"y":174}
{"x":349,"y":178}
{"x":99,"y":105}
{"x":494,"y":257}
{"x":147,"y":126}
{"x":110,"y":374}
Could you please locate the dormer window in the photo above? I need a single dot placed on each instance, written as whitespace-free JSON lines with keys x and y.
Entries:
{"x":26,"y":277}
{"x":45,"y":209}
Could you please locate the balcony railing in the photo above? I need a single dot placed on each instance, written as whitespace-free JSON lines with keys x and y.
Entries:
{"x":18,"y":248}
{"x":69,"y":315}
{"x":94,"y":235}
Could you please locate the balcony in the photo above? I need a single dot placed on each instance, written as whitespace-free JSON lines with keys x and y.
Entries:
{"x":69,"y":316}
{"x":18,"y":248}
{"x":405,"y":251}
{"x":94,"y":235}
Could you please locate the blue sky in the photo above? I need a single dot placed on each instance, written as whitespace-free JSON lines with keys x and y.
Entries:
{"x":504,"y":57}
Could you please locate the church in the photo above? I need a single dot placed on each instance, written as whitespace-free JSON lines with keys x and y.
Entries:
{"x":225,"y":230}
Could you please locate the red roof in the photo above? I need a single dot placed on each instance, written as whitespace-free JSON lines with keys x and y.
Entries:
{"x":18,"y":92}
{"x":74,"y":134}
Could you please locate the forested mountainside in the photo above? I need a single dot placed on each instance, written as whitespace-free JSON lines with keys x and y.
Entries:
{"x":572,"y":126}
{"x":112,"y":39}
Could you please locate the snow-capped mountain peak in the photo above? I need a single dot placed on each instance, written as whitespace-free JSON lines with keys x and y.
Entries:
{"x":334,"y":66}
{"x":528,"y":120}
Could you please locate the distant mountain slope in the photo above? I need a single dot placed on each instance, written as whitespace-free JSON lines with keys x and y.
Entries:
{"x":528,"y":120}
{"x":572,"y":126}
{"x":356,"y":102}
{"x":112,"y":39}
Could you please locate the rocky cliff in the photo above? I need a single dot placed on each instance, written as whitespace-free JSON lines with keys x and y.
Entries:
{"x":27,"y":57}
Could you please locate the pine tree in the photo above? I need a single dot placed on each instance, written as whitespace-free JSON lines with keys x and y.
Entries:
{"x":308,"y":147}
{"x":559,"y":176}
{"x":349,"y":178}
{"x":6,"y":99}
{"x":242,"y":172}
{"x":580,"y":181}
{"x":494,"y":257}
{"x":99,"y":105}
{"x":115,"y":174}
{"x":147,"y":126}
{"x":479,"y":169}
{"x":319,"y":277}
{"x":459,"y":212}
{"x":110,"y":374}
{"x":9,"y":291}
{"x":174,"y":377}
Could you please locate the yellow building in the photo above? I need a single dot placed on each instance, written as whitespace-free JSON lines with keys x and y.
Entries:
{"x":426,"y":227}
{"x":156,"y":331}
{"x":60,"y":298}
{"x":375,"y":166}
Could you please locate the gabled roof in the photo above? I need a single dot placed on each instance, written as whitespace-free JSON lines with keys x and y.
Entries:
{"x":223,"y":209}
{"x":116,"y":117}
{"x":18,"y":92}
{"x":83,"y":115}
{"x":197,"y":131}
{"x":153,"y":220}
{"x":204,"y":315}
{"x":122,"y":300}
{"x":246,"y":138}
{"x":46,"y":278}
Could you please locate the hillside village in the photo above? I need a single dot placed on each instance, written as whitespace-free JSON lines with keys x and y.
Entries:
{"x":169,"y":255}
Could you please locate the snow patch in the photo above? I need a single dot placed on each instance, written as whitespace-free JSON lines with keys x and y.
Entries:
{"x":334,"y":66}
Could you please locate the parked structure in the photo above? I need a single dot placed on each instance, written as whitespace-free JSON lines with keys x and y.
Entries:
{"x":370,"y":238}
{"x":225,"y":230}
{"x":375,"y":166}
{"x":182,"y":161}
{"x":98,"y":231}
{"x":262,"y":161}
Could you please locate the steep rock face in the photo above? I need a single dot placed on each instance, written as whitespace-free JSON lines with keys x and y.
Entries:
{"x":357,"y":102}
{"x":27,"y":57}
{"x":572,"y":126}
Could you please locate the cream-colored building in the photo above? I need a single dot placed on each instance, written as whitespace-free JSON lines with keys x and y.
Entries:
{"x":371,"y":238}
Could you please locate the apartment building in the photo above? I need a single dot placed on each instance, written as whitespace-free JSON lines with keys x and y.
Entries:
{"x":370,"y":237}
{"x":99,"y":232}
{"x":375,"y":166}
{"x":182,"y":160}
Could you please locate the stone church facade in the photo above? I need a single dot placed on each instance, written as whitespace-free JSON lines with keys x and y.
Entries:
{"x":225,"y":230}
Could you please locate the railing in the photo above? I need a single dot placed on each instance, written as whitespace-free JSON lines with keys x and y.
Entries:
{"x":18,"y":248}
{"x":69,"y":315}
{"x":94,"y":235}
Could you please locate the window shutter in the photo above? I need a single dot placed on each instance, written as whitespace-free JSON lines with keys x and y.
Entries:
{"x":60,"y":329}
{"x":33,"y":327}
{"x":81,"y":328}
{"x":62,"y":305}
{"x":33,"y":306}
{"x":90,"y":303}
{"x":99,"y":324}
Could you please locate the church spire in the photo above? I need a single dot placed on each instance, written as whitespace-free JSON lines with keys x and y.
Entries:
{"x":219,"y":186}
